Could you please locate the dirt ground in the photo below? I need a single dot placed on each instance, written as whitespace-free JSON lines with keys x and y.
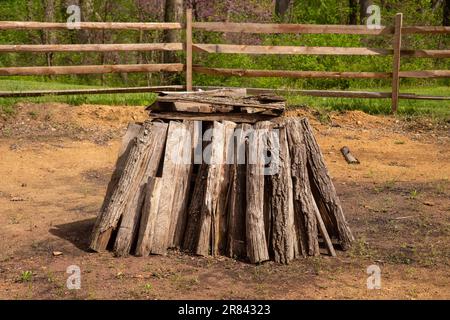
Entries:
{"x":56,"y":161}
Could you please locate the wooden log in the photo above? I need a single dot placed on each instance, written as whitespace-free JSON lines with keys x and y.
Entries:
{"x":197,"y":116}
{"x":94,"y":69}
{"x":284,"y":236}
{"x":324,"y":232}
{"x":175,"y":187}
{"x":116,"y":47}
{"x":33,"y":25}
{"x":148,"y":217}
{"x":183,"y":186}
{"x":291,"y":73}
{"x":127,"y":232}
{"x":257,"y":249}
{"x":270,"y":28}
{"x":127,"y":143}
{"x":348,"y":156}
{"x":40,"y":93}
{"x":324,"y":192}
{"x":425,"y":74}
{"x":250,"y":49}
{"x":304,"y":205}
{"x":220,"y":223}
{"x":207,"y":233}
{"x":425,"y":30}
{"x":236,"y":246}
{"x":146,"y":146}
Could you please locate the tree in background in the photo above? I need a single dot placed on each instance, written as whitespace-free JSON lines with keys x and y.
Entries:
{"x":446,"y":13}
{"x":281,"y":7}
{"x":353,"y":12}
{"x":363,"y":6}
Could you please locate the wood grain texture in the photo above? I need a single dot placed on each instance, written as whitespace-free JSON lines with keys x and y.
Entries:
{"x":148,"y":217}
{"x":150,"y":139}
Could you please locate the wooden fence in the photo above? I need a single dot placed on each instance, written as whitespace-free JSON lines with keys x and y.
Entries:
{"x":397,"y":31}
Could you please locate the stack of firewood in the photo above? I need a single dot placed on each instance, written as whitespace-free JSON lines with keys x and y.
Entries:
{"x":220,"y":173}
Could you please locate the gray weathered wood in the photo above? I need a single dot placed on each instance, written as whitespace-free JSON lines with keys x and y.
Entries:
{"x":174,"y":190}
{"x":257,"y":249}
{"x":213,"y":181}
{"x":146,"y":146}
{"x":284,"y":241}
{"x":304,"y":206}
{"x":236,"y":246}
{"x":324,"y":192}
{"x":148,"y":217}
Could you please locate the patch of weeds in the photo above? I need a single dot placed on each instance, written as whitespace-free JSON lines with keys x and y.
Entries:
{"x":184,"y":283}
{"x":360,"y":248}
{"x":316,"y":264}
{"x":33,"y":114}
{"x":413,"y":194}
{"x":148,"y":287}
{"x":26,"y":276}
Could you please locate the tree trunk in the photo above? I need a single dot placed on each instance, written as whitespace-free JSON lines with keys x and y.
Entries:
{"x":49,"y":35}
{"x":446,"y":13}
{"x":281,"y":7}
{"x":353,"y":12}
{"x":173,"y":12}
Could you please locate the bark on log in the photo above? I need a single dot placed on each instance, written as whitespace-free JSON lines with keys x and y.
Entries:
{"x":143,"y":159}
{"x":257,"y":250}
{"x":210,"y":201}
{"x":284,"y":236}
{"x":324,"y":192}
{"x":148,"y":217}
{"x":174,"y":191}
{"x":220,"y":226}
{"x":237,"y":206}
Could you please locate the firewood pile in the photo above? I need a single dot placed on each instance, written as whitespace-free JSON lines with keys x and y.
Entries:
{"x":221,"y":173}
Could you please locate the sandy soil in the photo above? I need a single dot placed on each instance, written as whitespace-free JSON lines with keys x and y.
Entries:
{"x":56,"y":161}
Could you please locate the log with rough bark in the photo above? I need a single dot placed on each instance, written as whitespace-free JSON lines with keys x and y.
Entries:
{"x":254,"y":192}
{"x":143,"y":158}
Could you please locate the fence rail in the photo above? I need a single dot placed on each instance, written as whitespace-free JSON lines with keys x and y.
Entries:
{"x":189,"y":47}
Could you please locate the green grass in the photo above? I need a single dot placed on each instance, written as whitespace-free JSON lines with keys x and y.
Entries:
{"x":434,"y":109}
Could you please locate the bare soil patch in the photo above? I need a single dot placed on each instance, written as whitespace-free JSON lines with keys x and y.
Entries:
{"x":56,"y":161}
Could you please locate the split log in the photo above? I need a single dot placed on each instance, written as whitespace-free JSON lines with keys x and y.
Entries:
{"x":175,"y":187}
{"x":148,"y":218}
{"x":348,"y":156}
{"x":142,"y":161}
{"x":237,"y":205}
{"x":257,"y":250}
{"x":304,"y":205}
{"x":220,"y":226}
{"x":198,"y":116}
{"x":284,"y":236}
{"x":213,"y":181}
{"x":324,"y":192}
{"x":132,"y":132}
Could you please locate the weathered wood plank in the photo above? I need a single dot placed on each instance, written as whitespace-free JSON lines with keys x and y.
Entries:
{"x":148,"y":217}
{"x":175,"y":186}
{"x":323,"y":190}
{"x":291,"y":73}
{"x":284,"y":241}
{"x":236,"y":246}
{"x":257,"y":249}
{"x":92,"y":69}
{"x":196,"y":116}
{"x":131,"y":215}
{"x":33,"y":25}
{"x":220,"y":226}
{"x":251,"y":49}
{"x":149,"y":140}
{"x":118,"y":47}
{"x":304,"y":206}
{"x":214,"y":179}
{"x":270,"y":28}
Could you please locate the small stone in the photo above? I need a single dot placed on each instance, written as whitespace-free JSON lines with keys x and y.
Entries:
{"x":57,"y":253}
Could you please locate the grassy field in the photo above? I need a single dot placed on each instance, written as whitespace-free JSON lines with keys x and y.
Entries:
{"x":434,"y":109}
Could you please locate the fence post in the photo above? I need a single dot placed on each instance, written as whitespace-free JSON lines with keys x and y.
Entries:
{"x":397,"y":45}
{"x":189,"y":49}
